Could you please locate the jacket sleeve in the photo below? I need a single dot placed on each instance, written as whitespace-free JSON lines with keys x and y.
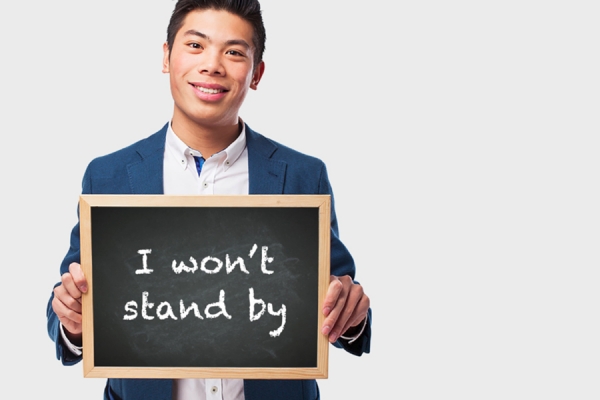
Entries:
{"x":73,"y":255}
{"x":342,"y":263}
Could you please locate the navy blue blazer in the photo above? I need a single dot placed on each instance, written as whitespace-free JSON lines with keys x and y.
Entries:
{"x":273,"y":169}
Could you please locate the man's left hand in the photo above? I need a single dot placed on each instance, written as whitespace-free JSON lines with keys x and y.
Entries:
{"x":346,"y":306}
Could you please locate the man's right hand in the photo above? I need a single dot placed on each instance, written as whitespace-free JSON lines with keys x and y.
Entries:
{"x":67,"y":301}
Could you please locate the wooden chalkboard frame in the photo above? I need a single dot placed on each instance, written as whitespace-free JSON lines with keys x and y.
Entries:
{"x":87,"y":202}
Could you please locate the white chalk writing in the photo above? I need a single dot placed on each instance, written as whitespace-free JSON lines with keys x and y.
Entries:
{"x":145,"y":269}
{"x":209,"y":265}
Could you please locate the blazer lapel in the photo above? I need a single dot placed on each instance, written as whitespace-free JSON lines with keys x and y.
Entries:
{"x":146,"y":174}
{"x":266,"y":175}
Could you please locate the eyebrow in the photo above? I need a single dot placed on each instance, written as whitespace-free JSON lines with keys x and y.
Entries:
{"x":231,"y":42}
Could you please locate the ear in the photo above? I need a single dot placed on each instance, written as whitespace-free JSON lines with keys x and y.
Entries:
{"x":257,"y":75}
{"x":166,"y":54}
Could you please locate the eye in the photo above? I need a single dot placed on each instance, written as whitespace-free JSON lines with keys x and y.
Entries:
{"x":234,"y":53}
{"x":195,"y":45}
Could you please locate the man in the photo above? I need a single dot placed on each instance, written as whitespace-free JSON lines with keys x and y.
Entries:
{"x":213,"y":55}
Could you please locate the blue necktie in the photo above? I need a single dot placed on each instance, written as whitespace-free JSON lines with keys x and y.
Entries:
{"x":199,"y":163}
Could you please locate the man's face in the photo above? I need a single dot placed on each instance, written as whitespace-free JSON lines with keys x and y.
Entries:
{"x":211,"y":68}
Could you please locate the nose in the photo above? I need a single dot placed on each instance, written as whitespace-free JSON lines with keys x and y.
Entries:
{"x":211,"y":63}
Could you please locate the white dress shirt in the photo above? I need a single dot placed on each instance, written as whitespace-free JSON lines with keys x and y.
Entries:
{"x":225,"y":172}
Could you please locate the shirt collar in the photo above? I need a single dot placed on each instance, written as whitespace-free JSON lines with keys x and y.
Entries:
{"x":184,"y":154}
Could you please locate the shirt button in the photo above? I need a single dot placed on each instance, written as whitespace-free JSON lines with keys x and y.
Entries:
{"x":205,"y":184}
{"x":214,"y":389}
{"x":227,"y":162}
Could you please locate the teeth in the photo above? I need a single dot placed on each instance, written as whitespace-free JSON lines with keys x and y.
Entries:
{"x":207,"y":90}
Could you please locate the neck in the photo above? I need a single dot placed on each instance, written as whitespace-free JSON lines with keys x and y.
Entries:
{"x":208,"y":140}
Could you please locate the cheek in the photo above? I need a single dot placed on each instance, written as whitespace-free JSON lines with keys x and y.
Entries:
{"x":242,"y":75}
{"x":180,"y":65}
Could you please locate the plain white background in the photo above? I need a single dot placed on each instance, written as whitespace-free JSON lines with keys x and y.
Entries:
{"x":462,"y":144}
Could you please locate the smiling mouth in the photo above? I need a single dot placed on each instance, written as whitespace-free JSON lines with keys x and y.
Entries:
{"x":208,"y":90}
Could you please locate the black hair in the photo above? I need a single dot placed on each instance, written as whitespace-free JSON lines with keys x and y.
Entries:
{"x":248,"y":10}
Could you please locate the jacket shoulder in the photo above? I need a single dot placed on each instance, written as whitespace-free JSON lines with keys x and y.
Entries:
{"x":290,"y":171}
{"x":114,"y":162}
{"x":275,"y":150}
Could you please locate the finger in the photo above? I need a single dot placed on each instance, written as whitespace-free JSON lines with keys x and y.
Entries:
{"x":66,"y":314}
{"x":68,"y":287}
{"x":65,"y":298}
{"x":358,"y":315}
{"x":333,"y":293}
{"x":78,"y":277}
{"x":70,"y":319}
{"x":334,"y":302}
{"x":353,"y":295}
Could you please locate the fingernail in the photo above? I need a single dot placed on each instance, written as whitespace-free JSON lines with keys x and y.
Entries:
{"x":325,"y":329}
{"x":333,"y":337}
{"x":326,"y":311}
{"x":83,"y":288}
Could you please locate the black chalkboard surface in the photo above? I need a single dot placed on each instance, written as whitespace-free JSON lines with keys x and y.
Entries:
{"x":204,"y":286}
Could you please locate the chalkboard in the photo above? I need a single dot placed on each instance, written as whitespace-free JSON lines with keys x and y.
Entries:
{"x":205,"y":286}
